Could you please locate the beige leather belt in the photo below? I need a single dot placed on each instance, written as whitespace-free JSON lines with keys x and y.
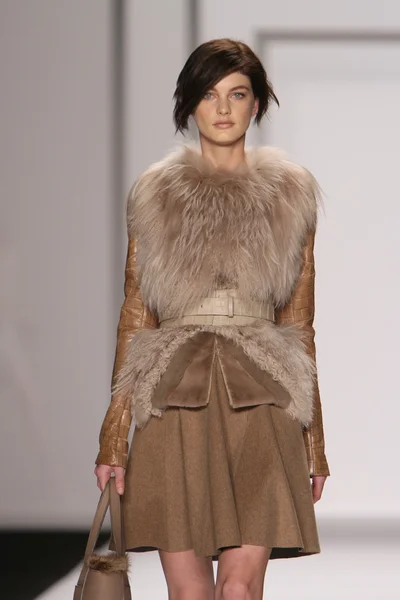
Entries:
{"x":222,"y":307}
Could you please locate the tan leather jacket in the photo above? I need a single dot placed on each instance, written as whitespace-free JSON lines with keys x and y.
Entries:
{"x":135,"y":315}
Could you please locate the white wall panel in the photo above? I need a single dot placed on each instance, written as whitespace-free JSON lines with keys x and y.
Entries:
{"x":234,"y":18}
{"x":156,"y":47}
{"x":339,"y":116}
{"x":56,"y":256}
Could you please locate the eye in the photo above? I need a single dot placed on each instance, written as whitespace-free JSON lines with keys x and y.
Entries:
{"x":207,"y":95}
{"x":239,"y":95}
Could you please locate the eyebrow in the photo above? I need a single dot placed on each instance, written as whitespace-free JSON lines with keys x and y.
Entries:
{"x":237,"y":87}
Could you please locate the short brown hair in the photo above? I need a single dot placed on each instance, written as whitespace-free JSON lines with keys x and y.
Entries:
{"x":208,"y":64}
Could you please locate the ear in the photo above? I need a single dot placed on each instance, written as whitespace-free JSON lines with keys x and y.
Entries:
{"x":255,"y":107}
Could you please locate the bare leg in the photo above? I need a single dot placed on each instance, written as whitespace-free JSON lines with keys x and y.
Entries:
{"x":241,"y":573}
{"x":188,"y":576}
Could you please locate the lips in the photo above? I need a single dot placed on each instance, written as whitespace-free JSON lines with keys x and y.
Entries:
{"x":223,"y":124}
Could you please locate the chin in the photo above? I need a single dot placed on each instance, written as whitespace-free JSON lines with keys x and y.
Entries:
{"x":226,"y":138}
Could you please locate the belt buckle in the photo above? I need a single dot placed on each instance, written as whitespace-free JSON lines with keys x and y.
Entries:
{"x":231,"y":311}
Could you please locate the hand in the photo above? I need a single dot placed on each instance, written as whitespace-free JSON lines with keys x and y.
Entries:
{"x":103,"y":474}
{"x":318,"y":482}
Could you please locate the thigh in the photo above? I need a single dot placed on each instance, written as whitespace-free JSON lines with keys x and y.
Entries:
{"x":187,"y":575}
{"x":242,"y":571}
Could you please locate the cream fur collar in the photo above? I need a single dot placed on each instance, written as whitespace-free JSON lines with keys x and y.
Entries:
{"x":198,"y":227}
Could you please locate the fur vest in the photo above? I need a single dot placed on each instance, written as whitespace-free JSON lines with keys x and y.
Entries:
{"x":199,"y":228}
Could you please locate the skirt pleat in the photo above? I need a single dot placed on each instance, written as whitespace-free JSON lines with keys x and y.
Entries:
{"x":213,"y":477}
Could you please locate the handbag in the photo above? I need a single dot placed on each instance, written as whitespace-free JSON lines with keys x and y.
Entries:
{"x":105,"y":577}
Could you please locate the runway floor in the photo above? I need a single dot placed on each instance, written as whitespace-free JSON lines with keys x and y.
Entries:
{"x":359,"y":561}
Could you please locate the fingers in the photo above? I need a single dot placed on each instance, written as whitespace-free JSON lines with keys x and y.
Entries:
{"x":103,"y":474}
{"x":96,"y":472}
{"x":318,"y":483}
{"x":119,"y":479}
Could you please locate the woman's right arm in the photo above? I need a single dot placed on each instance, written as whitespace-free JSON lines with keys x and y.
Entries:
{"x":134,"y":315}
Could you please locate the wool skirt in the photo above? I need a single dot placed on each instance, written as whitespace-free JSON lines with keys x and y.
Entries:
{"x":217,"y":474}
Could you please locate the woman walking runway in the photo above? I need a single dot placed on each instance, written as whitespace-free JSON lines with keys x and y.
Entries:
{"x":215,"y":360}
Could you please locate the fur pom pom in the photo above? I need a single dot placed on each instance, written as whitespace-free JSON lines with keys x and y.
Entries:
{"x":108,"y":563}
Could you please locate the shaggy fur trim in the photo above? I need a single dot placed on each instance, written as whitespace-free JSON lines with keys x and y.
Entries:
{"x":109,"y":563}
{"x":199,"y":228}
{"x":280,"y":350}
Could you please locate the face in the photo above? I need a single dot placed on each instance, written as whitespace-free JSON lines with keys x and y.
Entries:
{"x":225,"y":111}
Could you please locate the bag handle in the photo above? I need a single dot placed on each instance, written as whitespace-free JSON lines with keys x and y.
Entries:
{"x":109,"y":498}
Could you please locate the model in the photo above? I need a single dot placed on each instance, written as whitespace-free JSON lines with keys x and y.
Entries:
{"x":215,"y":360}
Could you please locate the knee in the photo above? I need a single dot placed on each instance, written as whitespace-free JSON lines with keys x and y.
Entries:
{"x":235,"y":590}
{"x":191,"y":592}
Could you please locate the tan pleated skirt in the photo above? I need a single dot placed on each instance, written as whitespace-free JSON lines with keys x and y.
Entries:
{"x":214,"y":476}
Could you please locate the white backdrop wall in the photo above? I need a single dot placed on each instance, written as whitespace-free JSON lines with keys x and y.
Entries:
{"x":56,"y":255}
{"x":335,"y":68}
{"x":156,"y":42}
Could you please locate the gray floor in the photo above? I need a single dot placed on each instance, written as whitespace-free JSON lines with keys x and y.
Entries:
{"x":359,"y":560}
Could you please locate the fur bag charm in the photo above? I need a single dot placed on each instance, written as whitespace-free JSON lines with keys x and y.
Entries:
{"x":105,"y":577}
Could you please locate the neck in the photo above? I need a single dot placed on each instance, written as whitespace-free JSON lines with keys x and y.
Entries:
{"x":228,"y":157}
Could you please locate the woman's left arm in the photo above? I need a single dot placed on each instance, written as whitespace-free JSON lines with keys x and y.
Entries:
{"x":300,"y":311}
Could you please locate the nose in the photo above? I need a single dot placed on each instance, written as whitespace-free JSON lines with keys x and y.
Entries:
{"x":223,"y":107}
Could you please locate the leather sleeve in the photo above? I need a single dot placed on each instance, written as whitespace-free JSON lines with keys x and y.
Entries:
{"x":300,"y":310}
{"x":134,"y":315}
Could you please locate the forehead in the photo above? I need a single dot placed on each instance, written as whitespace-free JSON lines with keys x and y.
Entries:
{"x":232,"y":80}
